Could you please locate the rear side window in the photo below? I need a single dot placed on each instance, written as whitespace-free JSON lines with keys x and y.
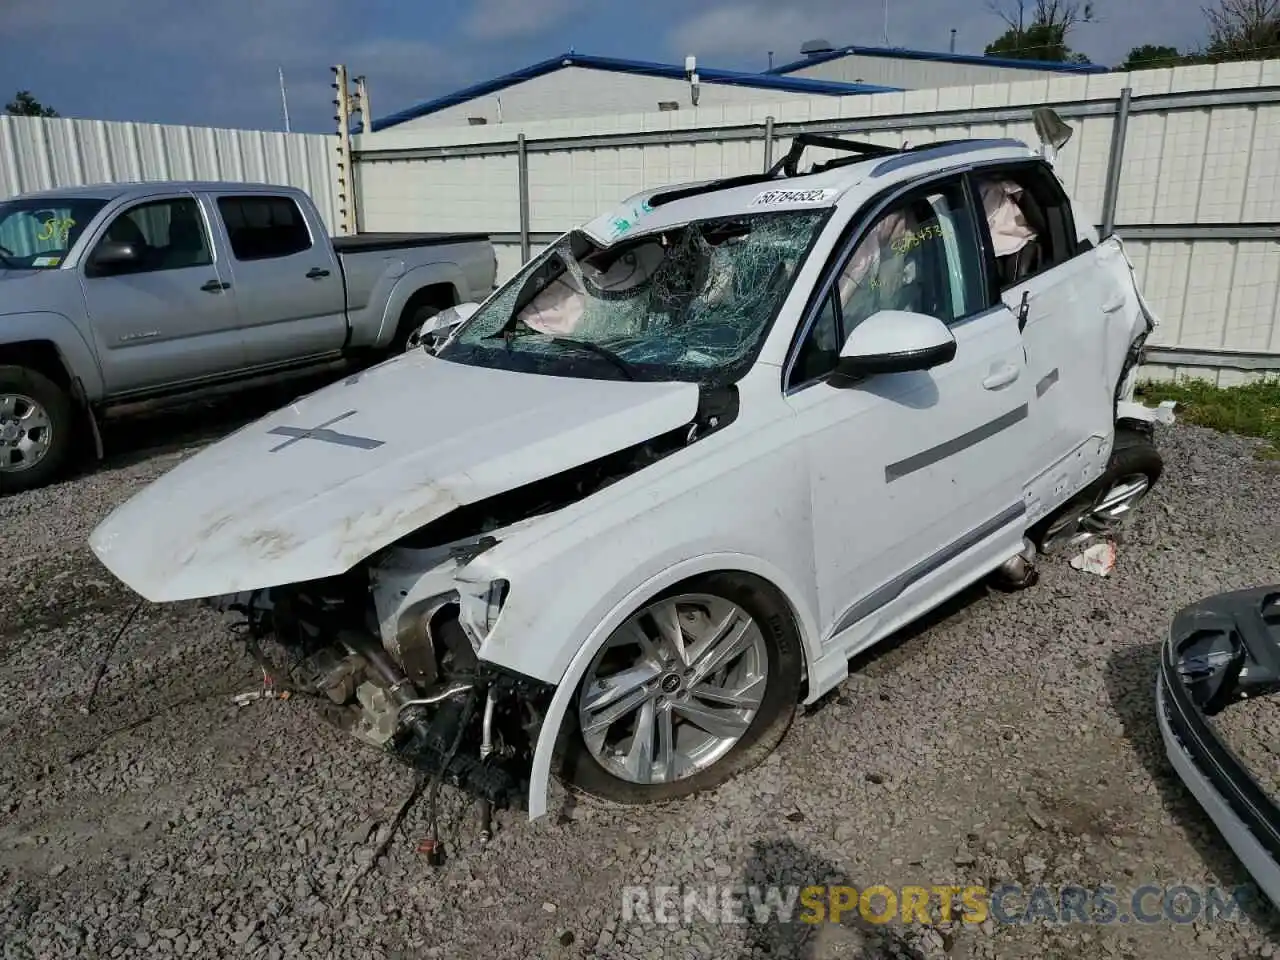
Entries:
{"x":1029,"y":220}
{"x":262,"y":228}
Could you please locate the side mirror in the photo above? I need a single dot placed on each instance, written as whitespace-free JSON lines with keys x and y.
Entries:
{"x":895,"y":341}
{"x":438,"y":327}
{"x":1053,"y":131}
{"x":112,"y":255}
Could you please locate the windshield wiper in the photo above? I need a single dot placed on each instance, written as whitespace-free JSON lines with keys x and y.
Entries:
{"x":626,"y":368}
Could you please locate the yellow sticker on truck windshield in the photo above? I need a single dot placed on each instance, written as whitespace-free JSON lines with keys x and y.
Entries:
{"x":56,"y":228}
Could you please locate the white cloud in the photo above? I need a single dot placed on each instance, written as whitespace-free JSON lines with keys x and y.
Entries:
{"x":508,"y":19}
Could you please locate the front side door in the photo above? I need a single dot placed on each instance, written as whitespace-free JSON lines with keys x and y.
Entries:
{"x":910,"y":472}
{"x":170,"y":316}
{"x":288,"y":283}
{"x":1056,"y":287}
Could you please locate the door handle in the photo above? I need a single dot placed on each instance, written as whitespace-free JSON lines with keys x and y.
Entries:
{"x":215,"y":286}
{"x":1002,"y":376}
{"x":315,"y":273}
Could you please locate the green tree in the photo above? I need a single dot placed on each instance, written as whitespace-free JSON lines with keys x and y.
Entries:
{"x":1152,"y":55}
{"x":1037,"y":31}
{"x":25,"y":105}
{"x":1243,"y":30}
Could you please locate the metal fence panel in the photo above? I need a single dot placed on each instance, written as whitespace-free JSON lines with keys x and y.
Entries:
{"x":39,"y":153}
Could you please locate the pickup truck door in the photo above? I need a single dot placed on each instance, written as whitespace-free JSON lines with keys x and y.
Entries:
{"x":916,"y":477}
{"x":288,"y":282}
{"x":171,"y":316}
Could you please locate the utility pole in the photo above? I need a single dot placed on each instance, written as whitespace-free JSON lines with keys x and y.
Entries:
{"x":346,"y":194}
{"x":366,"y":111}
{"x":886,"y":23}
{"x":284,"y":99}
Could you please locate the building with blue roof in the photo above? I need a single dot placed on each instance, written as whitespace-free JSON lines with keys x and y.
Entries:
{"x":578,"y":85}
{"x":917,"y":69}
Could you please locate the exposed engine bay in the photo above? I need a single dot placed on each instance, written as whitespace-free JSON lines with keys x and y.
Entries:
{"x":390,"y":648}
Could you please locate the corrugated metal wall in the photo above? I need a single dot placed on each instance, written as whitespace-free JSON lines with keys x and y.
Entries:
{"x":1211,"y":164}
{"x":39,"y":154}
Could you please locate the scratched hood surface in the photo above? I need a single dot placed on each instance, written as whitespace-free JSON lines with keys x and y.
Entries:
{"x":388,"y":451}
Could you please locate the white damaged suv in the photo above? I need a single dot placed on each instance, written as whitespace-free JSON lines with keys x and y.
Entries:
{"x":619,"y":520}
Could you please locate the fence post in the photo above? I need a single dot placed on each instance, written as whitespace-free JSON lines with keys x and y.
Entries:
{"x":1115,"y":162}
{"x":768,"y":143}
{"x":522,"y":161}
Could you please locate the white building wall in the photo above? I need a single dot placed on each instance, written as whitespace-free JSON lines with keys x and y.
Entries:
{"x":42,"y":153}
{"x":1207,"y":165}
{"x":909,"y":74}
{"x":585,"y":92}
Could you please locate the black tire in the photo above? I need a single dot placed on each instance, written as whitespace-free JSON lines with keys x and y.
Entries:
{"x":58,"y":406}
{"x":1132,"y":454}
{"x":580,"y":770}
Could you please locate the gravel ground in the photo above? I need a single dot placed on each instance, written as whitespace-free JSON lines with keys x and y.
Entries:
{"x":1011,"y":738}
{"x":1251,"y":728}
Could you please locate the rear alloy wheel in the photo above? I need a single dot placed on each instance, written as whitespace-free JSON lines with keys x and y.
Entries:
{"x":410,"y":336}
{"x":1107,"y":505}
{"x":35,"y":429}
{"x":696,"y":686}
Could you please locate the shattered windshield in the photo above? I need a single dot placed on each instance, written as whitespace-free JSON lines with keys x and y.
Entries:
{"x":690,"y":303}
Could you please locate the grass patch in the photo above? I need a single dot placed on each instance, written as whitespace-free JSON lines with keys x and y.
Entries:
{"x":1249,"y":409}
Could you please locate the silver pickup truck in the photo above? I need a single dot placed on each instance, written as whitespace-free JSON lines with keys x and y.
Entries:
{"x":118,"y":293}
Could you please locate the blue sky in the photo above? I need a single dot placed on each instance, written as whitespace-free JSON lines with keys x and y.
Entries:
{"x":214,"y":62}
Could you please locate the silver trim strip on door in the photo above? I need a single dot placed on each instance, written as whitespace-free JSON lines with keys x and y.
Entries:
{"x":925,"y":458}
{"x":890,"y":591}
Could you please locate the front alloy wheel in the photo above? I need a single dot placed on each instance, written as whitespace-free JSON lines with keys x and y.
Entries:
{"x":36,"y":429}
{"x":694,"y":687}
{"x":673,"y":689}
{"x":26,"y":432}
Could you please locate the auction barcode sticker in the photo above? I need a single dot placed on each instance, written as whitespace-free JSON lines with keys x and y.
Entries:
{"x":770,"y":197}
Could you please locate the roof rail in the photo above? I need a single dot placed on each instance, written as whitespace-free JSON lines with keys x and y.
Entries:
{"x":788,"y":166}
{"x":862,"y":149}
{"x":858,"y":150}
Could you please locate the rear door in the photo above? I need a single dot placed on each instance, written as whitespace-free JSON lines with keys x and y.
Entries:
{"x":288,"y":283}
{"x":1055,"y":286}
{"x":171,"y":317}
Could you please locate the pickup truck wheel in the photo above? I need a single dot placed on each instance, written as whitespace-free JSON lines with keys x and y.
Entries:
{"x":1107,"y":504}
{"x":695,"y":687}
{"x":408,"y":336}
{"x":36,"y":428}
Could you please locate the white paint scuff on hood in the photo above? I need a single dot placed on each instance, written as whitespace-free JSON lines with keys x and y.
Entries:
{"x":387,"y":452}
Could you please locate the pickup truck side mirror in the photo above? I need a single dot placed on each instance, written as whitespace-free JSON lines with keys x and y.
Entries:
{"x":113,"y":256}
{"x":895,"y":341}
{"x":436,"y":328}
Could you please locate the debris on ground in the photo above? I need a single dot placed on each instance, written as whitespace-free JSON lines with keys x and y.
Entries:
{"x":1099,"y":558}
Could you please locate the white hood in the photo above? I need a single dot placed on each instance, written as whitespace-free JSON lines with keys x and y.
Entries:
{"x":316,"y":487}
